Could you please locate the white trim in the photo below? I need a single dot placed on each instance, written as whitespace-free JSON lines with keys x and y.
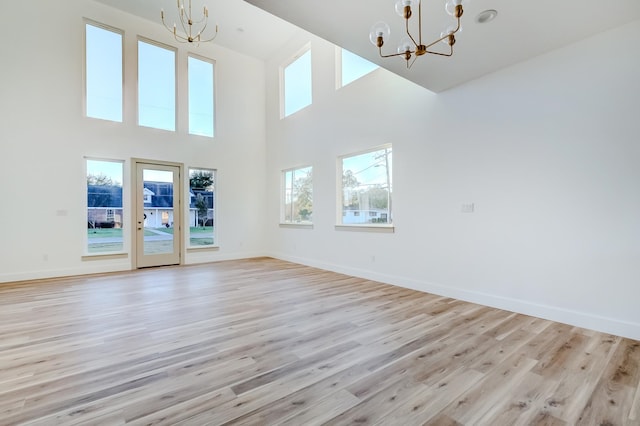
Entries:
{"x":366,"y":228}
{"x":298,"y":225}
{"x":586,"y":320}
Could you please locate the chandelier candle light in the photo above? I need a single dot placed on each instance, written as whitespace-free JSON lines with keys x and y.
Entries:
{"x":186,"y":19}
{"x":410,"y":45}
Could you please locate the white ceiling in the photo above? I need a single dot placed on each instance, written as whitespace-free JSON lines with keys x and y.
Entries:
{"x":242,"y":27}
{"x":523,"y":29}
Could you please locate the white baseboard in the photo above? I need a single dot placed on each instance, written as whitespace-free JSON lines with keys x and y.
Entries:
{"x":554,"y":313}
{"x":93,"y":268}
{"x":194,"y":258}
{"x":101,"y":267}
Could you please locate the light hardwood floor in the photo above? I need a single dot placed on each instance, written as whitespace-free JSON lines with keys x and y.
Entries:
{"x":262,"y":341}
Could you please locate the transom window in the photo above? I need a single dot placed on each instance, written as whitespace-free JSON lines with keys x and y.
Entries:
{"x":201,"y":105}
{"x":297,"y":195}
{"x":365,"y":198}
{"x":103,"y":72}
{"x":156,"y":86}
{"x":353,"y":67}
{"x":296,"y":82}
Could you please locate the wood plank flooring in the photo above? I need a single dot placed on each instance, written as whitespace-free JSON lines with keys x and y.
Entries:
{"x":263,"y":342}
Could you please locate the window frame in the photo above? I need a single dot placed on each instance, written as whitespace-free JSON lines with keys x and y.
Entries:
{"x":125,"y":216}
{"x":173,"y":49}
{"x":85,"y":77}
{"x":213,"y":94}
{"x":283,"y":90}
{"x":341,"y":212}
{"x":216,"y":244}
{"x":283,"y":197}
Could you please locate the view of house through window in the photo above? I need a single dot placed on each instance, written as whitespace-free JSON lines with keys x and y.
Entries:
{"x":103,"y":73}
{"x":156,"y":86}
{"x":297,"y":200}
{"x":297,"y":84}
{"x":200,"y":97}
{"x":104,"y":206}
{"x":353,"y":67}
{"x":367,"y":187}
{"x":201,"y":207}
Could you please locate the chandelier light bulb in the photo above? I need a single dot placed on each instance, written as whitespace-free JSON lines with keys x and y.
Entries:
{"x":379,"y":29}
{"x":450,"y":6}
{"x":400,"y":5}
{"x":450,"y":30}
{"x":406,"y":45}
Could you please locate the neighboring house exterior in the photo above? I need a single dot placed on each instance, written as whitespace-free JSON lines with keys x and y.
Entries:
{"x":364,"y":216}
{"x":104,"y":206}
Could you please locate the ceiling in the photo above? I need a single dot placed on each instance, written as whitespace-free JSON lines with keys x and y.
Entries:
{"x":242,"y":27}
{"x":522,"y":29}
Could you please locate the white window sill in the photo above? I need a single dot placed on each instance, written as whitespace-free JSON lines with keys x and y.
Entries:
{"x":203,"y":248}
{"x":301,"y":225}
{"x":388,"y":229}
{"x":105,"y":256}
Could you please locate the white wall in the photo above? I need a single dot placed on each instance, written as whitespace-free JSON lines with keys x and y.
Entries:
{"x":44,"y":137}
{"x":548,"y":150}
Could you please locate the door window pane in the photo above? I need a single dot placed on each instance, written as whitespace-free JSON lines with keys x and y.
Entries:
{"x":158,"y":218}
{"x":156,"y":86}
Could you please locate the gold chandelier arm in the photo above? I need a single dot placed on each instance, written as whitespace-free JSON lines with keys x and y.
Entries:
{"x":409,"y":34}
{"x":443,"y":38}
{"x":187,"y":32}
{"x":440,"y":53}
{"x":211,"y":39}
{"x":395,"y":54}
{"x":419,"y":24}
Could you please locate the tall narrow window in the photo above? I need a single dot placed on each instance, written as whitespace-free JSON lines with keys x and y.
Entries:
{"x":297,"y":199}
{"x":297,"y":84}
{"x":103,"y":73}
{"x":200,"y":97}
{"x":353,"y":67}
{"x":366,"y":187}
{"x":156,"y":86}
{"x":104,"y":206}
{"x":202,"y":227}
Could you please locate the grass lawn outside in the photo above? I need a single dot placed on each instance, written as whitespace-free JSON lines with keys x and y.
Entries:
{"x":199,"y":237}
{"x":111,"y":233}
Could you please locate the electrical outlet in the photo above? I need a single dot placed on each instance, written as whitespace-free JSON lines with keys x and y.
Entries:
{"x":468,"y":208}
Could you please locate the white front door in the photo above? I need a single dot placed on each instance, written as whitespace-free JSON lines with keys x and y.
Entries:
{"x":157,"y":215}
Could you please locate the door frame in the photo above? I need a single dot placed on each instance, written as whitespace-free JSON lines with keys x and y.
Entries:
{"x":134,"y":203}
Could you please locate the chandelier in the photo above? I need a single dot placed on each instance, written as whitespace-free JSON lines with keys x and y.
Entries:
{"x":411,"y":46}
{"x":187,"y":22}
